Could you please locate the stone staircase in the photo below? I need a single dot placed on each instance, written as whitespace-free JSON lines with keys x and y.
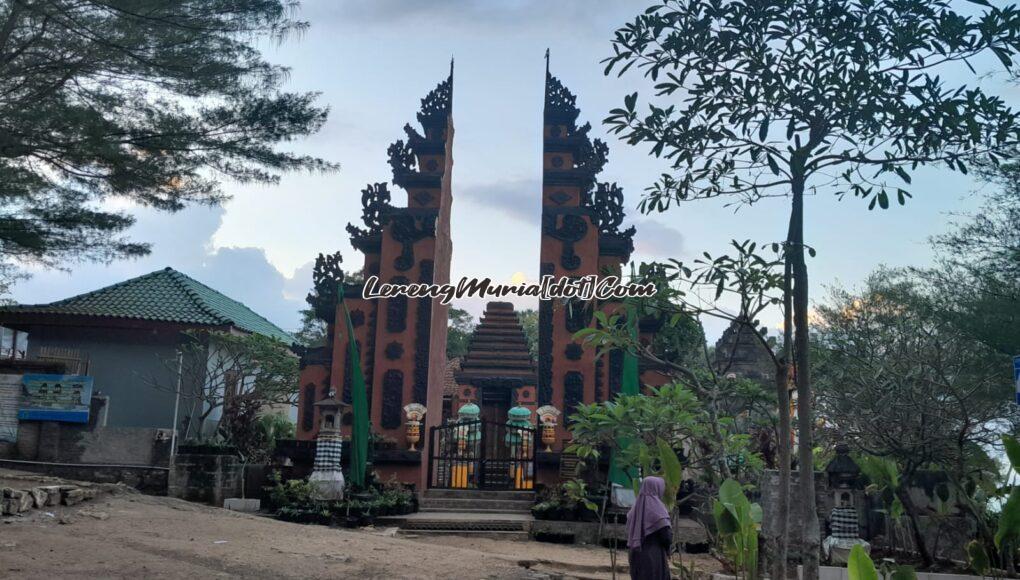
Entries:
{"x":457,"y":511}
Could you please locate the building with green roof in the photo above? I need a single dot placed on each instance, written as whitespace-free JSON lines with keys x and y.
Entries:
{"x":126,"y":336}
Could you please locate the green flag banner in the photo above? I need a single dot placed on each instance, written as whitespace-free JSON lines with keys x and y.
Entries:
{"x":629,"y":385}
{"x":359,"y":400}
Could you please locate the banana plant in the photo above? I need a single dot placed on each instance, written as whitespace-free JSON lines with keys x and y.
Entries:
{"x":860,"y":566}
{"x":737,"y":521}
{"x":1008,"y":532}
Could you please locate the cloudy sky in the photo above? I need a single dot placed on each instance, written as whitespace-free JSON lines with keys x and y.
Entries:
{"x":372,"y":60}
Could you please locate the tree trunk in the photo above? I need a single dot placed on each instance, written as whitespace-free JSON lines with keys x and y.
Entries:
{"x":915,"y":525}
{"x":783,"y":503}
{"x":810,"y":534}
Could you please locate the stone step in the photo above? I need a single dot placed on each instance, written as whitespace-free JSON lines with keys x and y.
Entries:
{"x":432,"y":509}
{"x":458,"y":522}
{"x":471,"y":504}
{"x":480,"y":494}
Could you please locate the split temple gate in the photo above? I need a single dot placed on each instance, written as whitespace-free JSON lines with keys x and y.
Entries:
{"x":504,"y":424}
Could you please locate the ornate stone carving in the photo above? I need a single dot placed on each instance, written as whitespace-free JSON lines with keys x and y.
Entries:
{"x":607,"y":206}
{"x":573,"y":391}
{"x":576,"y":315}
{"x":348,"y":370}
{"x":396,"y":309}
{"x":560,"y":103}
{"x":326,"y":278}
{"x":615,"y":371}
{"x":408,"y":229}
{"x":308,"y":408}
{"x":545,"y":343}
{"x":569,"y":231}
{"x":357,"y":317}
{"x":402,"y":160}
{"x":423,"y":345}
{"x":394,"y":350}
{"x":436,"y":106}
{"x":375,"y":206}
{"x":392,"y":398}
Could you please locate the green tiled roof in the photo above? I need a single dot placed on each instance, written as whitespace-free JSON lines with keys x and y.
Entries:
{"x":165,"y":295}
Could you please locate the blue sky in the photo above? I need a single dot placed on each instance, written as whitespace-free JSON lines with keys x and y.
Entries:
{"x":372,"y":60}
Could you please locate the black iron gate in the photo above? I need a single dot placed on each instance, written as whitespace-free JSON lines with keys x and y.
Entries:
{"x":481,"y":455}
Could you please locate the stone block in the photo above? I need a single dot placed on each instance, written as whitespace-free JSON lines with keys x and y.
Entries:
{"x":72,"y":496}
{"x":242,"y":504}
{"x":39,"y":496}
{"x":52,"y":494}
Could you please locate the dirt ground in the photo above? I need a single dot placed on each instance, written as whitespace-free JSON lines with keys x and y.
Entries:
{"x":137,"y":536}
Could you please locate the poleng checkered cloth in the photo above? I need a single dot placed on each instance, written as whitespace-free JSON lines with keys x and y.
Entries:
{"x":327,"y":454}
{"x":843,"y":522}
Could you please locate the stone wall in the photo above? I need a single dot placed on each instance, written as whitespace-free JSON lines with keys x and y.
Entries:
{"x":91,"y":442}
{"x":150,"y":480}
{"x":205,"y":478}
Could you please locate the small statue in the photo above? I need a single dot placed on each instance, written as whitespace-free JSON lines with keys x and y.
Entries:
{"x":414,"y":412}
{"x":844,"y":528}
{"x":547,"y":415}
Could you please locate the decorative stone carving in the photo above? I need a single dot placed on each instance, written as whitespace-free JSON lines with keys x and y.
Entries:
{"x":545,"y":343}
{"x":394,"y":350}
{"x":423,"y":332}
{"x":396,"y":309}
{"x":392,"y":398}
{"x":375,"y":207}
{"x":573,"y":391}
{"x":408,"y":229}
{"x":326,"y":279}
{"x":570,"y":230}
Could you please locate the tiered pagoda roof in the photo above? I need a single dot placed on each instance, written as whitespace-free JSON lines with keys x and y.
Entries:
{"x":498,"y":349}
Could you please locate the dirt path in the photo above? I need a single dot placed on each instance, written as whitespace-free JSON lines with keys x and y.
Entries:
{"x":137,"y":536}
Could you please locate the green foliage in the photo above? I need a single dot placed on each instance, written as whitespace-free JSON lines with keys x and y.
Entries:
{"x":1008,"y":531}
{"x":529,"y":323}
{"x":312,"y":332}
{"x":977,"y":558}
{"x":888,"y":363}
{"x":293,"y":493}
{"x":840,"y":96}
{"x":148,"y":102}
{"x":458,"y":334}
{"x":884,"y":480}
{"x":241,"y":376}
{"x":859,"y":565}
{"x":669,"y":413}
{"x":576,"y":493}
{"x":1012,"y":451}
{"x":737,"y":521}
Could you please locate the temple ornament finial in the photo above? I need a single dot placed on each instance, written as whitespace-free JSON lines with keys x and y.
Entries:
{"x":326,"y":278}
{"x":560,"y":103}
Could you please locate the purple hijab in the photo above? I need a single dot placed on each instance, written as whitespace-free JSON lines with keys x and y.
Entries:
{"x":649,"y":514}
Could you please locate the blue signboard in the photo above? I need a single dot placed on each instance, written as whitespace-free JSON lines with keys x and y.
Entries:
{"x":1016,"y":377}
{"x":55,"y":398}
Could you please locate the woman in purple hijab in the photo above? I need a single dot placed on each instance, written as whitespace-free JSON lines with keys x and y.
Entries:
{"x":649,"y":535}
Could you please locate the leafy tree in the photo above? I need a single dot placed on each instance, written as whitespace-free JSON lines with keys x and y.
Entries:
{"x":458,"y":336}
{"x":529,"y":322}
{"x":787,"y":97}
{"x":314,"y":331}
{"x":978,"y":265}
{"x":899,"y":381}
{"x":139,"y":100}
{"x":747,"y":284}
{"x":228,"y":382}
